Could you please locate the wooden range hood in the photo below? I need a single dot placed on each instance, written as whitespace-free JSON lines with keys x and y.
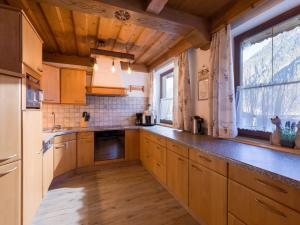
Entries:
{"x":106,"y":91}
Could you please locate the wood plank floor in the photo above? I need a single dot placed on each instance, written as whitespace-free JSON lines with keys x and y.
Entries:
{"x":122,"y":195}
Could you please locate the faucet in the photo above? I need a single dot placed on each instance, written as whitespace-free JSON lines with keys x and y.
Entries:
{"x":54,"y":125}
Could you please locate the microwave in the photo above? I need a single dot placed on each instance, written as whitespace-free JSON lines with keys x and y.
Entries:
{"x":34,"y":94}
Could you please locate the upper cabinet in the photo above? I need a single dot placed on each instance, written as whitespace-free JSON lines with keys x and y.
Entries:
{"x":32,"y":46}
{"x":19,"y":43}
{"x":73,"y":84}
{"x":50,"y":84}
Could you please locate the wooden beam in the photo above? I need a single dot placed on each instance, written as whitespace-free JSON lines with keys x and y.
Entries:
{"x":68,"y":59}
{"x":169,"y":20}
{"x":95,"y":52}
{"x":156,"y":6}
{"x":134,"y":67}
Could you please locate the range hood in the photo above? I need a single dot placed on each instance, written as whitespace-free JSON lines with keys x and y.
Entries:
{"x":106,"y":82}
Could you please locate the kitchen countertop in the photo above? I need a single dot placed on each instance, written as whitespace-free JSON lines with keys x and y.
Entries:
{"x":281,"y":166}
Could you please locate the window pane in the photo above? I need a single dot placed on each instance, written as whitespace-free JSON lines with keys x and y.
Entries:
{"x":166,"y":109}
{"x":169,"y":87}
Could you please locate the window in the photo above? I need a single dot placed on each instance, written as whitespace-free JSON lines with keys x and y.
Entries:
{"x":166,"y":96}
{"x":267,"y":68}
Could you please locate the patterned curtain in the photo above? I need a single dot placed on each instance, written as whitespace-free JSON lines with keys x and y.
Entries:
{"x":221,"y":86}
{"x":182,"y":93}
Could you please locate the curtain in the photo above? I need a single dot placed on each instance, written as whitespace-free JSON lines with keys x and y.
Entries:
{"x":152,"y":93}
{"x":221,"y":86}
{"x":182,"y":93}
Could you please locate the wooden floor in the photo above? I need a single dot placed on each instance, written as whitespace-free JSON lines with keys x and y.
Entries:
{"x":123,"y":195}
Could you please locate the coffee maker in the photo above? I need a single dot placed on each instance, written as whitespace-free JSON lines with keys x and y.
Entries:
{"x":139,"y":119}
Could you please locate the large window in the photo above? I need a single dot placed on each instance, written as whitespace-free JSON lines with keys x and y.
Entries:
{"x":268,"y":75}
{"x":166,"y":96}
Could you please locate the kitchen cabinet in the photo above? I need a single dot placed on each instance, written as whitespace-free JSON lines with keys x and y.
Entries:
{"x":73,"y":86}
{"x":207,"y":195}
{"x":132,"y":144}
{"x":10,"y":193}
{"x":158,"y":154}
{"x":50,"y":84}
{"x":146,"y":152}
{"x":85,"y":149}
{"x":10,"y":119}
{"x":47,"y":169}
{"x":232,"y":220}
{"x":254,"y":208}
{"x":64,"y":154}
{"x":32,"y":164}
{"x":177,"y":176}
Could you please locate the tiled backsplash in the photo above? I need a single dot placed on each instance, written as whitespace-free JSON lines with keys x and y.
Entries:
{"x":104,"y":111}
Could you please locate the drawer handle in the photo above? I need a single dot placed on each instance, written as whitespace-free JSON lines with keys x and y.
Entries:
{"x":204,"y":158}
{"x":60,"y":146}
{"x":180,"y":159}
{"x":270,"y":208}
{"x":39,"y":152}
{"x":271,"y":186}
{"x":9,"y":157}
{"x":7,"y":172}
{"x":195,"y":167}
{"x":158,"y":164}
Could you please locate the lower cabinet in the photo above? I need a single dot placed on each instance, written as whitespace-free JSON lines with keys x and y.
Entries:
{"x":132,"y":145}
{"x":207,"y":195}
{"x":10,"y":193}
{"x":254,"y":208}
{"x":85,"y":149}
{"x":47,"y":169}
{"x":232,"y":220}
{"x":158,"y":154}
{"x":178,"y":176}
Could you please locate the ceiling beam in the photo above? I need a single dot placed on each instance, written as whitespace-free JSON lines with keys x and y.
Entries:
{"x":134,"y":67}
{"x":169,"y":20}
{"x":156,"y":6}
{"x":96,"y":52}
{"x":68,"y":59}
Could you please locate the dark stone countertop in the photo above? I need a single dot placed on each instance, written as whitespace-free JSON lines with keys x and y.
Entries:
{"x":281,"y":166}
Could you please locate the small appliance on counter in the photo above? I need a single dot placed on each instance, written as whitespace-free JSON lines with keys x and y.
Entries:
{"x":148,"y":118}
{"x":197,"y":125}
{"x":85,"y":119}
{"x":139,"y":119}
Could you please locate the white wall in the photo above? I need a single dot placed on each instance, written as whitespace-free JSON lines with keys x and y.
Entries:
{"x":198,"y":58}
{"x":139,"y":79}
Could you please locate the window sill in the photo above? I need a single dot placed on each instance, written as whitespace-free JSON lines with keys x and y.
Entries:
{"x":265,"y":144}
{"x":165,"y":125}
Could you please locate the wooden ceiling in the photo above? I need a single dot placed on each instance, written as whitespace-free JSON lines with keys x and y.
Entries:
{"x":156,"y":30}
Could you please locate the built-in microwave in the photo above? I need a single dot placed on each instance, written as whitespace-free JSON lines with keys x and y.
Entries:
{"x":34,"y":94}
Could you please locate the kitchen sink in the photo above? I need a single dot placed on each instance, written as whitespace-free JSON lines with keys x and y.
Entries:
{"x":62,"y":129}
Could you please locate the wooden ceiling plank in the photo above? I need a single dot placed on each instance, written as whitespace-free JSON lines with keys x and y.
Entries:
{"x":68,"y":59}
{"x":169,"y":20}
{"x":108,"y":31}
{"x":96,"y":52}
{"x":156,"y":6}
{"x":81,"y":32}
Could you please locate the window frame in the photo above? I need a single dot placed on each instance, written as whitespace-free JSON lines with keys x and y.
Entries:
{"x":161,"y":76}
{"x":237,"y":60}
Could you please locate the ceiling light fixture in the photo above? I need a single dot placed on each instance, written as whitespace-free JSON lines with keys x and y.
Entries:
{"x":129,"y":68}
{"x":95,"y":66}
{"x":113,"y":68}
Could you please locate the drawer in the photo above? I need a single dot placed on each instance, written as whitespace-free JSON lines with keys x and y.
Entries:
{"x":157,"y":139}
{"x":263,"y":184}
{"x":159,"y":171}
{"x":64,"y":138}
{"x":253,"y":208}
{"x":159,"y":153}
{"x":209,"y":161}
{"x":85,"y":135}
{"x":232,"y":220}
{"x":178,"y":148}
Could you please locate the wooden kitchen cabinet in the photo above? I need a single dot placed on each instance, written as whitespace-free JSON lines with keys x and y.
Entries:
{"x":50,"y":84}
{"x":32,"y":164}
{"x":73,"y":86}
{"x":232,"y":220}
{"x":47,"y":169}
{"x":32,"y":46}
{"x":10,"y":193}
{"x":85,"y":149}
{"x":10,"y":119}
{"x":132,"y":144}
{"x":177,"y":176}
{"x":207,"y":195}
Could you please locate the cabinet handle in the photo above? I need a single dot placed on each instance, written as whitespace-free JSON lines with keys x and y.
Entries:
{"x":195,"y":167}
{"x":158,"y":164}
{"x":61,"y":146}
{"x":271,"y":186}
{"x":7,"y":172}
{"x":7,"y":158}
{"x":39,"y":152}
{"x":271,"y":208}
{"x":204,"y":158}
{"x":180,"y":159}
{"x":39,"y":69}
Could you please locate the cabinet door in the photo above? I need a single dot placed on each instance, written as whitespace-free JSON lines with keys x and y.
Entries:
{"x":60,"y":159}
{"x":10,"y":119}
{"x":232,"y":220}
{"x":32,"y":47}
{"x":50,"y":84}
{"x":71,"y":155}
{"x":85,"y":152}
{"x":32,"y":164}
{"x":10,"y":193}
{"x":73,"y":84}
{"x":47,"y":169}
{"x":10,"y":40}
{"x":132,"y":151}
{"x":207,"y":195}
{"x":177,"y":176}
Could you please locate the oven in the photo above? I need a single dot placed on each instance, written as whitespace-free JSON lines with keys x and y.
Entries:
{"x":34,"y":94}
